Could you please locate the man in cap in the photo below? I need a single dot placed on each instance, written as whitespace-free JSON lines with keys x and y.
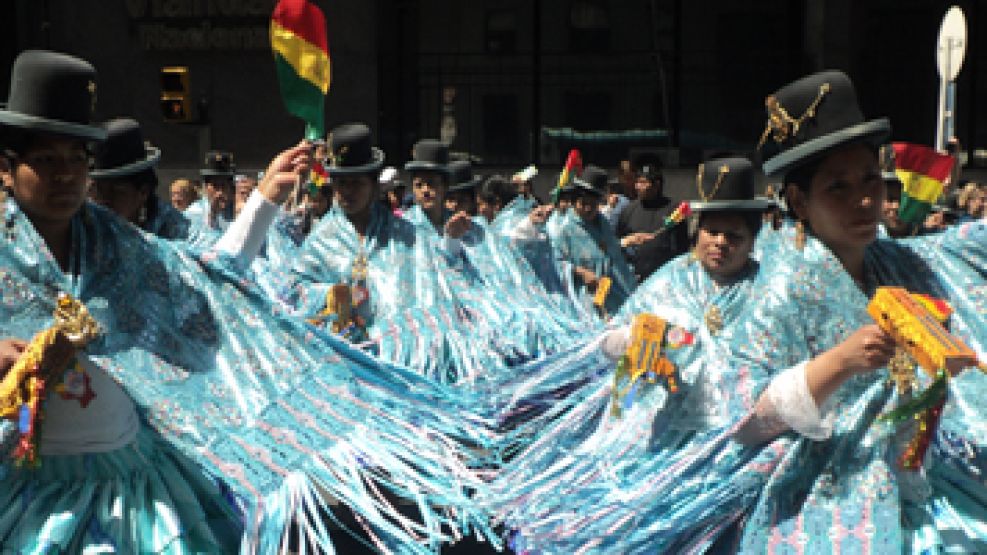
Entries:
{"x":639,"y":224}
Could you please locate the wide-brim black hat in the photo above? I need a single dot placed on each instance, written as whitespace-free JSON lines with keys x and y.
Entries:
{"x":124,"y":152}
{"x":727,"y":184}
{"x":463,"y":178}
{"x":218,"y":164}
{"x":429,"y":155}
{"x":351,"y":151}
{"x":593,"y":180}
{"x":52,"y":92}
{"x":811,"y":117}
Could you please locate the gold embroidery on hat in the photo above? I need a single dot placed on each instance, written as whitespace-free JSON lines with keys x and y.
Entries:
{"x":92,"y":94}
{"x":336,"y":158}
{"x":724,"y":170}
{"x":781,"y":125}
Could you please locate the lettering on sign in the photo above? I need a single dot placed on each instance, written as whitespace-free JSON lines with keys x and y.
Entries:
{"x":174,"y":25}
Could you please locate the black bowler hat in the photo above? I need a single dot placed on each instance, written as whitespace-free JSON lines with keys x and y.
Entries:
{"x":429,"y":155}
{"x":53,"y":93}
{"x":812,"y":116}
{"x":594,"y":180}
{"x":462,"y":176}
{"x":124,"y":152}
{"x":350,"y":151}
{"x":647,"y":165}
{"x":727,"y":184}
{"x":218,"y":164}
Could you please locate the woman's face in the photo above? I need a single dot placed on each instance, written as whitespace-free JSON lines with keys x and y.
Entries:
{"x":429,"y":190}
{"x":121,"y":196}
{"x":723,"y":244}
{"x":353,"y":193}
{"x":587,"y":207}
{"x":487,"y":209}
{"x":220,"y":192}
{"x":460,"y":201}
{"x":845,"y":199}
{"x":50,"y":179}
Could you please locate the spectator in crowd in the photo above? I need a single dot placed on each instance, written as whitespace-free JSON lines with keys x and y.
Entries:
{"x":971,"y":202}
{"x":645,"y":247}
{"x":184,"y":192}
{"x":615,"y":202}
{"x":244,"y":185}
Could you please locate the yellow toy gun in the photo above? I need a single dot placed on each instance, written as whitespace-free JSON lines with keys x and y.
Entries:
{"x":600,"y":297}
{"x":46,"y":357}
{"x":643,"y":359}
{"x":915,"y":323}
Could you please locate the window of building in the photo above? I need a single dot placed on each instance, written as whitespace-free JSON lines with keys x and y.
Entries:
{"x":589,"y":26}
{"x":501,"y":32}
{"x":501,"y":126}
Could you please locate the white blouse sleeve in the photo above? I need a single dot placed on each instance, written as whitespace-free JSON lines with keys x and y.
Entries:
{"x":526,"y":230}
{"x":246,"y":235}
{"x":787,"y":404}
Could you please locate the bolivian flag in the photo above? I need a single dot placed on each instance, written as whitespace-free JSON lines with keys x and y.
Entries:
{"x":301,"y":55}
{"x":922,"y":172}
{"x":573,"y":168}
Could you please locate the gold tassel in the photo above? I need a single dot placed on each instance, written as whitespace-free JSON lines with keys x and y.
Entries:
{"x":799,"y":235}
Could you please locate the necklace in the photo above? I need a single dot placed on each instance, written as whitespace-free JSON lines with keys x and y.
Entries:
{"x":713,"y":319}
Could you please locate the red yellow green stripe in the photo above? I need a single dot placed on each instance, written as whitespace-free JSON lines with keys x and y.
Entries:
{"x":922,"y":172}
{"x":301,"y":59}
{"x":309,"y":61}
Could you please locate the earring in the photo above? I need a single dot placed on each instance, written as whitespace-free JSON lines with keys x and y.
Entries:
{"x":142,"y":216}
{"x":799,"y":235}
{"x":9,"y":223}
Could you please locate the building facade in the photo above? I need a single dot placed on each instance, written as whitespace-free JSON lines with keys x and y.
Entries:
{"x":510,"y":82}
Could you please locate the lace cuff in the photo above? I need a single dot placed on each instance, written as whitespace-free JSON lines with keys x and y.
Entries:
{"x":615,"y":342}
{"x":787,"y":404}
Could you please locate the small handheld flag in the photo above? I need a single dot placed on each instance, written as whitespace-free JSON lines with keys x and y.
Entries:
{"x":301,"y":56}
{"x":573,"y":167}
{"x":682,"y":212}
{"x":923,"y":173}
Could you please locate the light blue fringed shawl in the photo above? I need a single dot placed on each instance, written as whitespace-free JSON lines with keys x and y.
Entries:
{"x":455,"y":318}
{"x":593,"y":246}
{"x":588,"y":451}
{"x":794,"y":494}
{"x":283,"y":414}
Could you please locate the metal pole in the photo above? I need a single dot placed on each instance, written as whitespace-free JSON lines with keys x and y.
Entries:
{"x":944,"y":124}
{"x":535,"y":137}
